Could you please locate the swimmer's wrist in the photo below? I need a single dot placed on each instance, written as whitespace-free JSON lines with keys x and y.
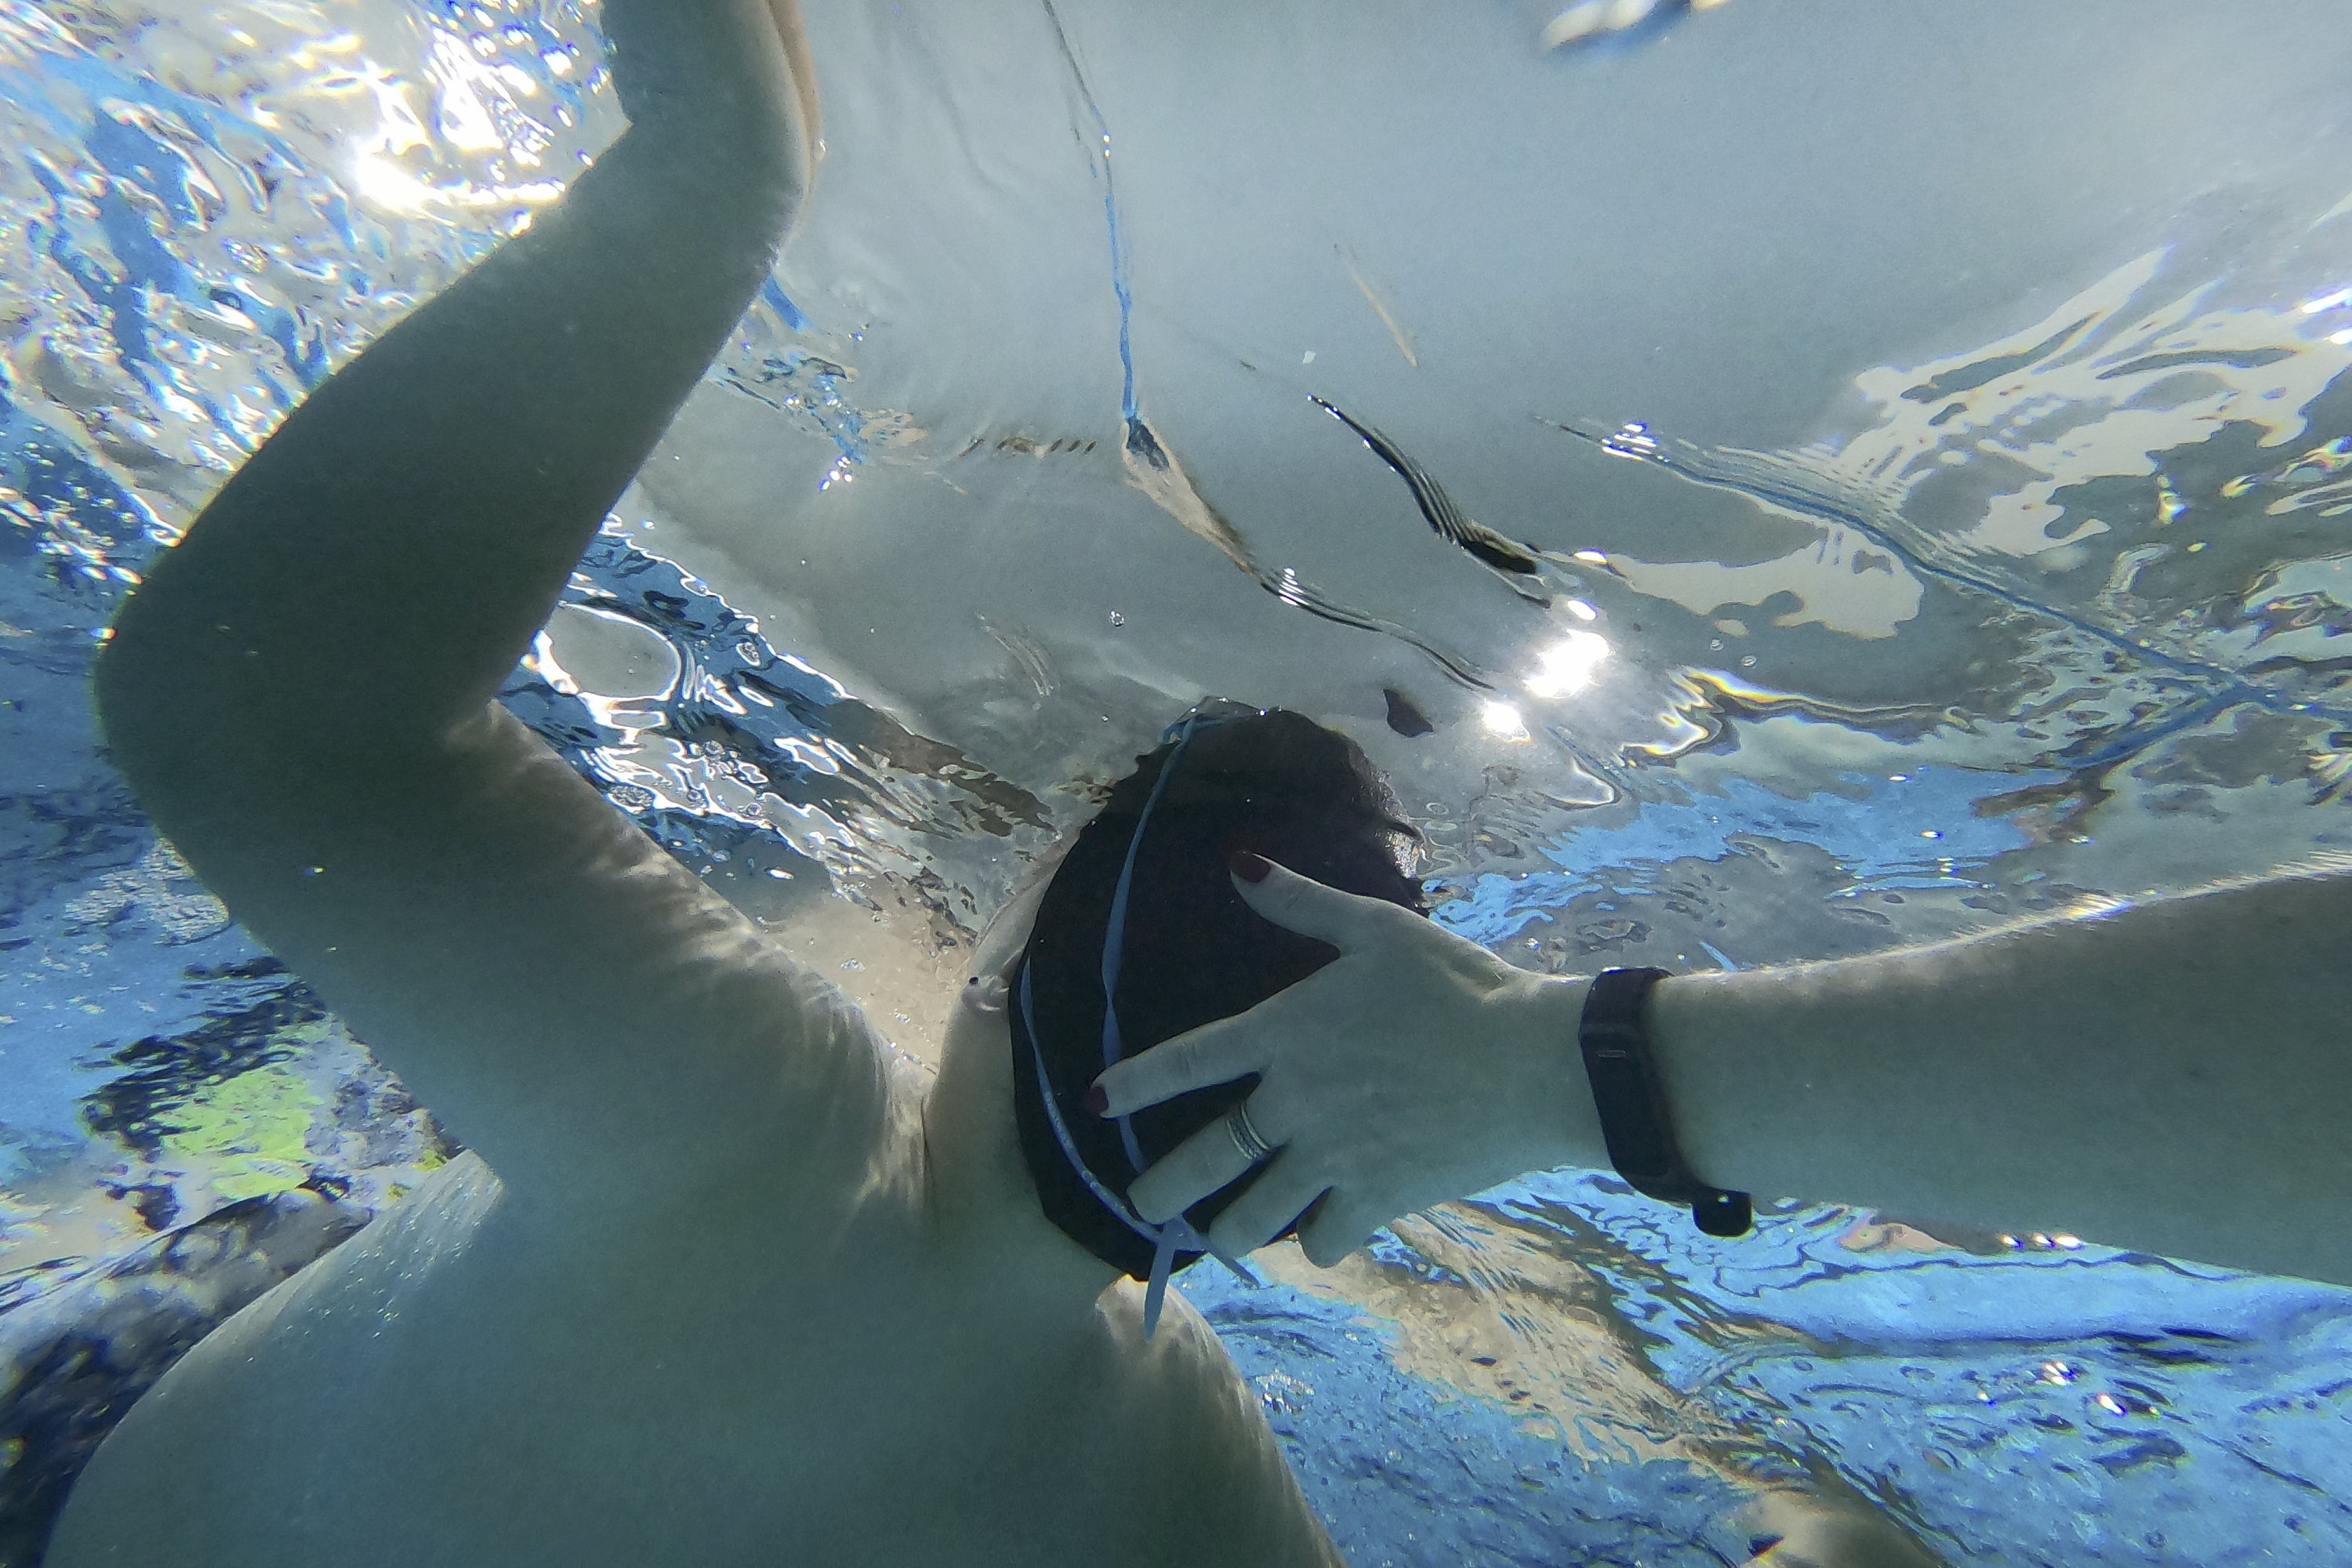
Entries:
{"x":1552,"y":1083}
{"x":1553,"y":1075}
{"x":1637,"y":1110}
{"x":1692,"y":1019}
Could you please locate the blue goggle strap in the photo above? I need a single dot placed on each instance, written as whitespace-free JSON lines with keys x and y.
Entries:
{"x":1166,"y":1239}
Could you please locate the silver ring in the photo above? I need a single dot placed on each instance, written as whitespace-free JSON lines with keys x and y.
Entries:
{"x":1254,"y":1149}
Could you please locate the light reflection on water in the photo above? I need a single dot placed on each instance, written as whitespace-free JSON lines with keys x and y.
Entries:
{"x":2053,"y":617}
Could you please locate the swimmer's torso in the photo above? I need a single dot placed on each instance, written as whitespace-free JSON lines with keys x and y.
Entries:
{"x":466,"y":1383}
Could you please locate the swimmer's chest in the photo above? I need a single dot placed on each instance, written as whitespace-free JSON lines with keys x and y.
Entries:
{"x":451,"y":1392}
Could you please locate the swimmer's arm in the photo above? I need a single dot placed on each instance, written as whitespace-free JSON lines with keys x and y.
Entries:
{"x":301,"y":691}
{"x":2173,"y":1077}
{"x":374,"y":570}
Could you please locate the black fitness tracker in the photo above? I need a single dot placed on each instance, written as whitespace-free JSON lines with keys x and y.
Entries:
{"x":1634,"y":1125}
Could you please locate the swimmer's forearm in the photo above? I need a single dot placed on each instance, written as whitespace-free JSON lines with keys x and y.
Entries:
{"x":384,"y":559}
{"x":2174,"y":1076}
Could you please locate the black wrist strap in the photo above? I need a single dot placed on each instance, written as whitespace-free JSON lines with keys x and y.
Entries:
{"x":1634,"y":1120}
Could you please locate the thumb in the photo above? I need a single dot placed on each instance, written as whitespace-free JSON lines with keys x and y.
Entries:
{"x":1349,"y":921}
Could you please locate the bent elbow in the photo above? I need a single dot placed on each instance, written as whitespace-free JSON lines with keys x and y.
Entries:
{"x":129,"y":689}
{"x":174,"y":704}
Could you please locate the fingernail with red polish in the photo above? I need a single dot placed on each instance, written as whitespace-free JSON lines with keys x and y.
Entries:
{"x":1249,"y":867}
{"x":1097,"y":1102}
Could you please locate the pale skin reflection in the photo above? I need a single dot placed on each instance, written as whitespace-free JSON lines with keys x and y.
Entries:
{"x":739,"y":1291}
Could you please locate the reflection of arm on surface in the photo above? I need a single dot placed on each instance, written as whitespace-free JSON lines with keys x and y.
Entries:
{"x":2172,"y":1075}
{"x":302,"y":691}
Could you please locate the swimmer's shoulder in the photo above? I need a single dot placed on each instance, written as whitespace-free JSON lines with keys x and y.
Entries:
{"x":457,"y":1372}
{"x":1208,"y":1480}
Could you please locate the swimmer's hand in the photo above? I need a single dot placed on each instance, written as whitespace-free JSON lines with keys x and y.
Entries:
{"x":1415,"y":1068}
{"x":739,"y":68}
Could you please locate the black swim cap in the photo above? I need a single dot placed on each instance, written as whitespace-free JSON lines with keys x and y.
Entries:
{"x":1191,"y":951}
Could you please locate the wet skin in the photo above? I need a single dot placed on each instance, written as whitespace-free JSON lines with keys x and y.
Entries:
{"x":737,"y":1291}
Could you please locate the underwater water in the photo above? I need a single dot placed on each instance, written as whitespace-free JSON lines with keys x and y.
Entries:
{"x":1790,"y":481}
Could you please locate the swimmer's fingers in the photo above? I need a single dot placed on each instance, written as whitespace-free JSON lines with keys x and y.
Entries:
{"x":1231,"y":1047}
{"x":1338,"y":1229}
{"x":1217,"y":1052}
{"x":1283,"y":1191}
{"x":1349,"y":921}
{"x":1197,"y":1167}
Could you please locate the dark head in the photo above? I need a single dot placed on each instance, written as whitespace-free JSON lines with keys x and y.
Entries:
{"x":1191,"y":952}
